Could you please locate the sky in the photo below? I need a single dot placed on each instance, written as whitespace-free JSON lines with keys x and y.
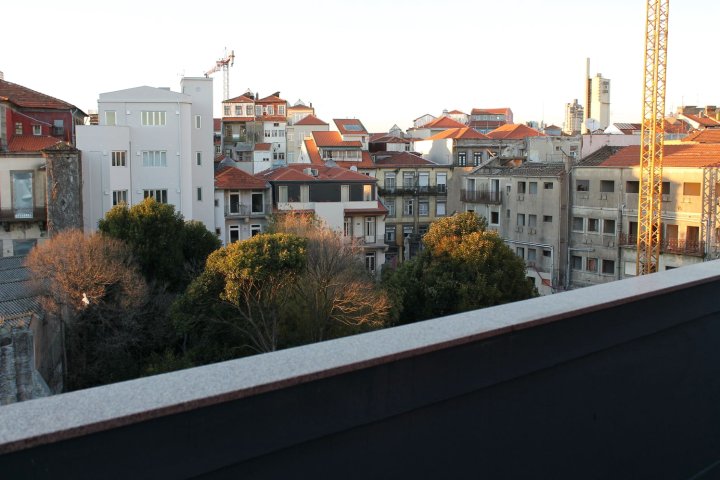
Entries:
{"x":385,"y":62}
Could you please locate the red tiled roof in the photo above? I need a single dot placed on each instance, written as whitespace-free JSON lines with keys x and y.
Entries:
{"x":676,"y":125}
{"x":238,"y":119}
{"x":443,"y":122}
{"x":231,"y":178}
{"x":262,"y":147}
{"x":310,"y":120}
{"x":459,"y":133}
{"x":513,"y":131}
{"x":25,"y":97}
{"x":490,"y":111}
{"x":271,"y":99}
{"x":387,"y":138}
{"x":332,"y":139}
{"x":683,"y":155}
{"x":342,"y":123}
{"x":313,"y":152}
{"x":240,"y":99}
{"x":272,"y":118}
{"x":709,"y":135}
{"x":379,"y":210}
{"x":365,"y":162}
{"x":30,"y":143}
{"x":401,"y":159}
{"x":296,"y":173}
{"x":704,"y":121}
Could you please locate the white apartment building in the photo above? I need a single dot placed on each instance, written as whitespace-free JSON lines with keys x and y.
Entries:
{"x":150,"y":142}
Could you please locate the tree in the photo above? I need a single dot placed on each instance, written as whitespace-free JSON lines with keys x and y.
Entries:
{"x":463,"y":267}
{"x":335,"y":295}
{"x":170,"y":252}
{"x":93,"y":286}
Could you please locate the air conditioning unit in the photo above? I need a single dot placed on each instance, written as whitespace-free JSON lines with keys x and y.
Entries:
{"x":521,"y":198}
{"x":519,"y":229}
{"x":311,"y":171}
{"x":666,"y":198}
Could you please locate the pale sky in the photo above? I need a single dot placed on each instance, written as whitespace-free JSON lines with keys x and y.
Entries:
{"x":383,"y":61}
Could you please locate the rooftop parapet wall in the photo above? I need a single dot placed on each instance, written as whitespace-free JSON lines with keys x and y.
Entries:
{"x":620,"y":380}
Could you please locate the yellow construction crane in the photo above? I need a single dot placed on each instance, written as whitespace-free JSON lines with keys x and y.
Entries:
{"x":652,"y":137}
{"x":224,"y":64}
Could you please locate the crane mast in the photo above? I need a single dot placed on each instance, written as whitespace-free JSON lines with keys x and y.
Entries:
{"x":652,"y":137}
{"x":224,"y":64}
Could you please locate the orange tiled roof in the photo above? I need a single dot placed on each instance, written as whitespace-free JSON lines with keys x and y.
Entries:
{"x":262,"y":147}
{"x":683,"y":155}
{"x":514,"y":131}
{"x":401,"y":159}
{"x":709,"y":135}
{"x":465,"y":133}
{"x":310,"y":120}
{"x":30,"y":143}
{"x":443,"y":122}
{"x":25,"y":97}
{"x":296,"y":173}
{"x":272,"y":118}
{"x":490,"y":111}
{"x":231,"y":178}
{"x":313,"y":152}
{"x":387,"y":138}
{"x":343,"y":123}
{"x":240,"y":99}
{"x":704,"y":121}
{"x":271,"y":99}
{"x":238,"y":119}
{"x":333,"y":139}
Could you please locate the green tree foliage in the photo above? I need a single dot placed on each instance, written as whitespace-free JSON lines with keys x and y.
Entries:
{"x":463,"y":267}
{"x":170,"y":252}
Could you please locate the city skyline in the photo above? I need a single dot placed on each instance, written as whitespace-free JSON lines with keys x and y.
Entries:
{"x":382,"y":62}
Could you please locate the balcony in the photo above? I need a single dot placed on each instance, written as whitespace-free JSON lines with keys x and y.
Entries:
{"x":481,"y":196}
{"x":246,"y":211}
{"x":390,"y":189}
{"x":36,"y":214}
{"x":619,"y":380}
{"x":693,"y":248}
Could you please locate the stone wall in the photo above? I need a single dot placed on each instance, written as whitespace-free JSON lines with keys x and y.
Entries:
{"x":64,"y":188}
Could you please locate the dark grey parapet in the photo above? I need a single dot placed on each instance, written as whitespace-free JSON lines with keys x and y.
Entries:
{"x":620,"y":380}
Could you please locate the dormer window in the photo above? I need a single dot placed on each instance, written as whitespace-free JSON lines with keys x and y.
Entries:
{"x":37,"y":130}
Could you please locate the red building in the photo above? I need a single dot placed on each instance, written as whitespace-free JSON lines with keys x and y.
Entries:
{"x":29,"y":115}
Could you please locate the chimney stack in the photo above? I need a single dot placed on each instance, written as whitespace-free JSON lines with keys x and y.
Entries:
{"x":2,"y":76}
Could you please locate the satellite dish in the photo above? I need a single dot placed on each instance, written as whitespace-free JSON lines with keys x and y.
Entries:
{"x":591,"y":124}
{"x":353,"y":168}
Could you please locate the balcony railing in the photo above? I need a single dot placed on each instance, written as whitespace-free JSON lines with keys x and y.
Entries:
{"x":694,"y":248}
{"x":245,"y":211}
{"x":481,"y":196}
{"x":400,"y":190}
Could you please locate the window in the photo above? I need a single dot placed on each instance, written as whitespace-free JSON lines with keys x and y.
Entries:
{"x":198,"y":121}
{"x":37,"y":130}
{"x":281,"y":109}
{"x":423,"y":207}
{"x":582,"y":185}
{"x":441,"y":180}
{"x":608,"y":267}
{"x":22,"y":194}
{"x":257,"y":205}
{"x":154,"y":158}
{"x":494,"y":218}
{"x":521,"y":187}
{"x":593,"y":225}
{"x":226,"y":110}
{"x":532,"y":220}
{"x":347,"y":227}
{"x":547,"y":253}
{"x":691,"y":189}
{"x":609,"y":227}
{"x":576,"y":262}
{"x":390,"y":182}
{"x":591,"y":265}
{"x":390,"y":233}
{"x":407,"y":230}
{"x":370,"y":229}
{"x":423,"y":229}
{"x":238,"y":110}
{"x":198,"y":158}
{"x":532,"y":188}
{"x":440,"y":208}
{"x":462,"y":159}
{"x":532,"y":255}
{"x":408,"y":204}
{"x":23,"y":247}
{"x":408,"y":180}
{"x":160,"y":196}
{"x":423,"y":181}
{"x":119,"y":196}
{"x":199,"y":194}
{"x":367,"y":193}
{"x":390,"y":204}
{"x":370,"y":262}
{"x":548,"y":185}
{"x":578,"y":224}
{"x":255,"y":230}
{"x":248,"y":110}
{"x":521,"y":219}
{"x":547,"y":218}
{"x":110,"y":118}
{"x":119,"y":158}
{"x":234,"y":232}
{"x":258,"y":110}
{"x":477,"y":158}
{"x":520,"y":252}
{"x":270,"y":110}
{"x":632,"y":187}
{"x":282,"y":193}
{"x":153,"y":119}
{"x":234,"y":202}
{"x":607,"y":186}
{"x":18,"y":128}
